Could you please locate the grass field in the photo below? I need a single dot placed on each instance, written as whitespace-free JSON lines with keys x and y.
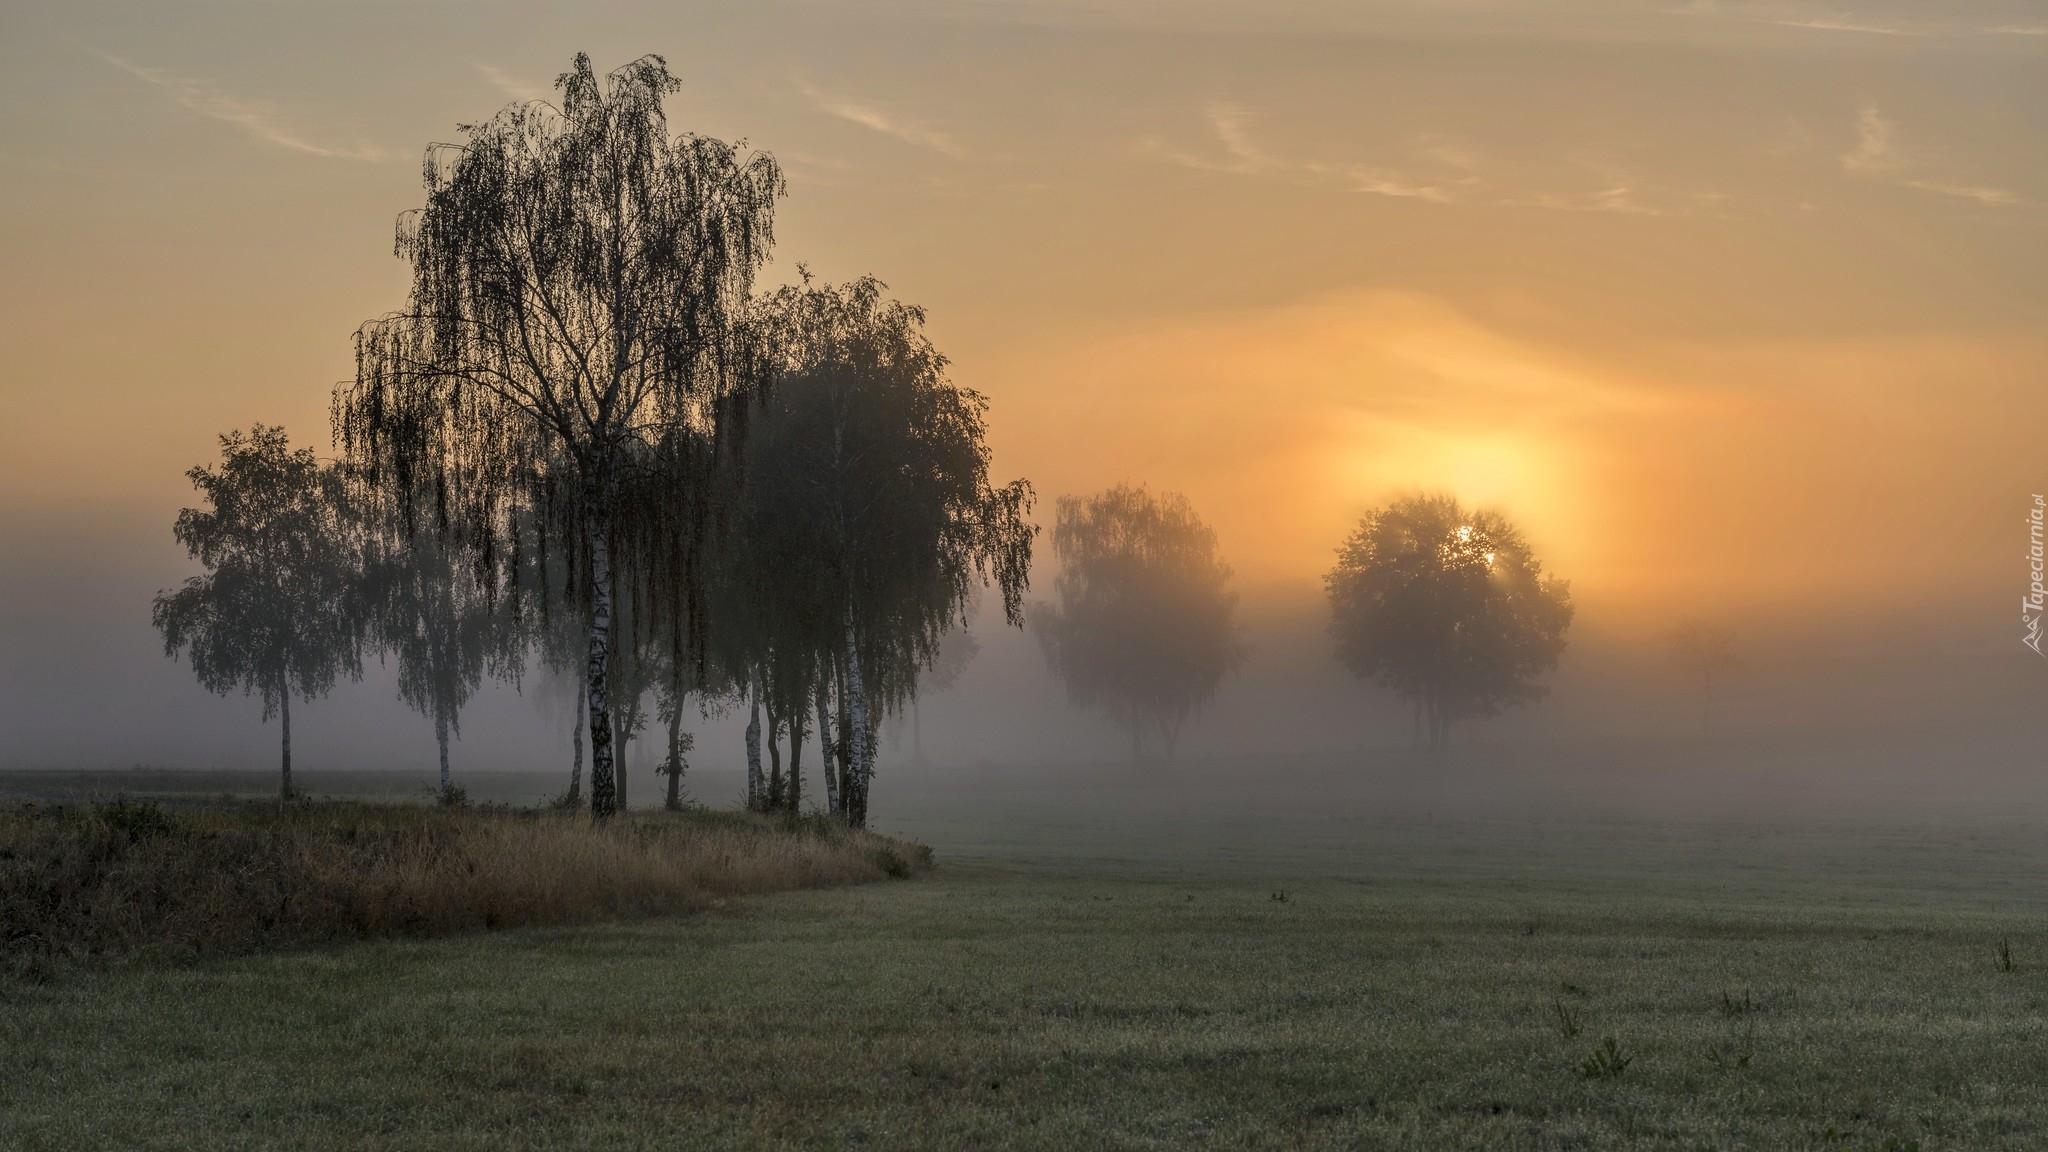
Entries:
{"x":1425,"y":983}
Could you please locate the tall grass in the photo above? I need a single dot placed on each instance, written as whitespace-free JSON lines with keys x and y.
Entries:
{"x":124,"y":878}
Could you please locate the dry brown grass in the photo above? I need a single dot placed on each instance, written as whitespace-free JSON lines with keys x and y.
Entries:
{"x":124,"y":878}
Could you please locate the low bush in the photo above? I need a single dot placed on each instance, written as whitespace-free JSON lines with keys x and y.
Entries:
{"x":78,"y":882}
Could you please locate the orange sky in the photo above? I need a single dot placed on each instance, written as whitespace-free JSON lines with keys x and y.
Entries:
{"x":1720,"y":301}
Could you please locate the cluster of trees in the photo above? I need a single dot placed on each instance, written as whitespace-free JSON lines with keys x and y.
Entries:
{"x":1447,"y":607}
{"x":586,"y":437}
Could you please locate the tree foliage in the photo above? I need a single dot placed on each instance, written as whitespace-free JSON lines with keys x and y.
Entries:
{"x":1143,"y":628}
{"x":577,"y":316}
{"x":868,"y":515}
{"x":1449,"y":608}
{"x":275,"y":614}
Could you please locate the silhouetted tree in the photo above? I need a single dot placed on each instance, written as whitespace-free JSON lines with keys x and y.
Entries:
{"x":1143,"y":629}
{"x":869,"y":516}
{"x":1706,"y":649}
{"x":1447,"y":607}
{"x":275,"y":614}
{"x":580,"y":279}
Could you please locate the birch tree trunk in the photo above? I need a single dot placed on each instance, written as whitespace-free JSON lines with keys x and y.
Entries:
{"x":604,"y":799}
{"x":675,"y":756}
{"x":576,"y":770}
{"x":773,"y":797}
{"x":857,"y":739}
{"x":754,"y":742}
{"x":441,"y":737}
{"x":825,"y":746}
{"x":796,"y":757}
{"x":285,"y":710}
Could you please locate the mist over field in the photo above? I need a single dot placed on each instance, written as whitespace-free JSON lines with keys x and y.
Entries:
{"x":1830,"y":716}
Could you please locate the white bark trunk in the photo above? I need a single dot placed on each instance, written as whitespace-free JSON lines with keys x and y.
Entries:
{"x":857,"y":740}
{"x":675,"y":754}
{"x":603,"y":784}
{"x":826,"y":762}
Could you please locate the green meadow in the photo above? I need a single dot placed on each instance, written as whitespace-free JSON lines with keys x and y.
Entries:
{"x":1210,"y":979}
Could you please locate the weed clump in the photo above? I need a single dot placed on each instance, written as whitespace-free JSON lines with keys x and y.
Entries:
{"x":1570,"y":1021}
{"x":1606,"y":1062}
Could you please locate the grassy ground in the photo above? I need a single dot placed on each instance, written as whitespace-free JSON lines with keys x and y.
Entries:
{"x":1422,"y":985}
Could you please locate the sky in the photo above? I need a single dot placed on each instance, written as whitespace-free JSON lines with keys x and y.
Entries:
{"x":1736,"y":308}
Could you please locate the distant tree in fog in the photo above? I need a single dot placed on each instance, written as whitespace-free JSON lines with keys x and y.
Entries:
{"x":580,"y":287}
{"x":1707,"y":650}
{"x":276,"y":612}
{"x":427,"y":604}
{"x":1143,"y":628}
{"x":1449,"y":608}
{"x":957,"y":649}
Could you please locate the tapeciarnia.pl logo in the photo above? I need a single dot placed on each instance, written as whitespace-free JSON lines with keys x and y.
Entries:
{"x":2036,"y":599}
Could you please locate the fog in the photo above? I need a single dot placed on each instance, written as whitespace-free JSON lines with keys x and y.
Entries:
{"x":1917,"y":713}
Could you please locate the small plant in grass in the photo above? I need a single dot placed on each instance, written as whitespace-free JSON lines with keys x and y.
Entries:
{"x":1737,"y":1055}
{"x":1732,"y":1008}
{"x":1606,"y":1062}
{"x":2006,"y":963}
{"x":1280,"y":896}
{"x":1570,"y":1021}
{"x":453,"y":796}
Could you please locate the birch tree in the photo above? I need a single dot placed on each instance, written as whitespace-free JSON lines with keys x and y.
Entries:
{"x":1448,"y":607}
{"x":868,"y":470}
{"x":1143,"y":628}
{"x":275,"y":613}
{"x":580,"y":279}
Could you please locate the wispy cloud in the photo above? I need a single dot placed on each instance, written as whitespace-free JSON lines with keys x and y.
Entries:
{"x":509,"y":84}
{"x":1877,"y":152}
{"x":1238,"y":151}
{"x":876,"y":119}
{"x":1846,"y":24}
{"x":1875,"y":145}
{"x":252,"y":118}
{"x":2020,"y":30}
{"x":1996,"y":197}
